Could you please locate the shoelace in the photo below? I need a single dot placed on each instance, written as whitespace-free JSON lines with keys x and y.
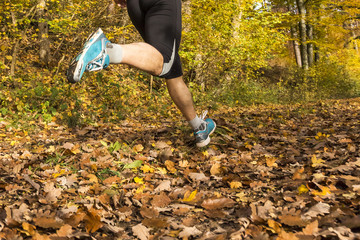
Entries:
{"x":203,"y":115}
{"x":202,"y":126}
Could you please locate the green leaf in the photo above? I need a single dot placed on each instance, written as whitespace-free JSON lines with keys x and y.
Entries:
{"x":103,"y":143}
{"x":134,"y":164}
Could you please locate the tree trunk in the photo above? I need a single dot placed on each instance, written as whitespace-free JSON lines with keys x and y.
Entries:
{"x":355,"y":43}
{"x":302,"y":30}
{"x":296,"y":47}
{"x":44,"y":42}
{"x":310,"y":45}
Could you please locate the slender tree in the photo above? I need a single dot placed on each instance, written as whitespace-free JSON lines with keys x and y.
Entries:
{"x":43,"y":26}
{"x":302,"y":31}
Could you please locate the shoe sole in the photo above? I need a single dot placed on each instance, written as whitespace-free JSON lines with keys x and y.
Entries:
{"x":207,"y":140}
{"x":74,"y":70}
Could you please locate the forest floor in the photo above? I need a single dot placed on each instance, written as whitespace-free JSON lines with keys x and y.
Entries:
{"x":285,"y":172}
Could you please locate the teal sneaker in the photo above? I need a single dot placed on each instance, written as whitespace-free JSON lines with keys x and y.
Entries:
{"x":202,"y":134}
{"x":92,"y":57}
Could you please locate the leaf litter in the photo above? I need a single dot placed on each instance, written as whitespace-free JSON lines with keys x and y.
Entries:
{"x":285,"y":172}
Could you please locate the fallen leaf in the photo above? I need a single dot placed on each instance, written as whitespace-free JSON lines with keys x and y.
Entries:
{"x":92,"y":221}
{"x":163,"y":186}
{"x":170,"y":166}
{"x":198,"y":177}
{"x":111,"y":180}
{"x":65,"y":231}
{"x":275,"y":226}
{"x":190,"y":197}
{"x":312,"y":228}
{"x":141,"y":232}
{"x":286,"y":236}
{"x":292,"y":220}
{"x":161,"y":200}
{"x":235,"y":184}
{"x":46,"y":222}
{"x":217,"y":203}
{"x":316,"y":162}
{"x":30,"y":229}
{"x":189,"y":232}
{"x":318,"y":209}
{"x":215,"y":169}
{"x":138,"y":148}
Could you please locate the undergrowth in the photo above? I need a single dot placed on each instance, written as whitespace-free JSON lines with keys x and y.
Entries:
{"x":111,"y":96}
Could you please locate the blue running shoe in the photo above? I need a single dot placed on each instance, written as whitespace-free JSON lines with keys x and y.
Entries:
{"x":202,"y":134}
{"x":92,"y":57}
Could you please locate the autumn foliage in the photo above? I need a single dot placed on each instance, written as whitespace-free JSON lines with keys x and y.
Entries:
{"x":289,"y":172}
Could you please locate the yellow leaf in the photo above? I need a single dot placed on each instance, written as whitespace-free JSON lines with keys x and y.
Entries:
{"x":190,"y":197}
{"x":62,"y":171}
{"x":92,"y":178}
{"x":30,"y":229}
{"x":138,"y":180}
{"x":51,"y":149}
{"x":275,"y":226}
{"x":324,"y":191}
{"x":205,"y":153}
{"x":235,"y":184}
{"x":147,"y":169}
{"x":162,"y":170}
{"x":303,"y":189}
{"x":316,"y":161}
{"x":271,"y":162}
{"x":138,"y":148}
{"x":140,"y":189}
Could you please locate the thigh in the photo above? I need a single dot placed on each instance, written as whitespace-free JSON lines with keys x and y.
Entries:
{"x":163,"y":26}
{"x":159,"y":23}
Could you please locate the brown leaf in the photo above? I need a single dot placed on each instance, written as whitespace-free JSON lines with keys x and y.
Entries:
{"x":198,"y":177}
{"x":104,"y":199}
{"x":92,"y":221}
{"x":52,"y":192}
{"x":155,"y":222}
{"x":64,"y":231}
{"x":17,"y":214}
{"x":46,"y":222}
{"x":215,"y":213}
{"x":161,"y":200}
{"x":68,"y":146}
{"x":217,"y":203}
{"x":311,"y":228}
{"x":291,"y":220}
{"x":111,"y":180}
{"x":148,"y":212}
{"x":170,"y":166}
{"x":39,"y":236}
{"x":141,"y":232}
{"x":287,"y":236}
{"x":216,"y":169}
{"x":161,"y":145}
{"x":189,"y":231}
{"x":163,"y":186}
{"x":318,"y":209}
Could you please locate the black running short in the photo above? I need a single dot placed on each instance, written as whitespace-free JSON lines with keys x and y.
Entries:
{"x":159,"y":23}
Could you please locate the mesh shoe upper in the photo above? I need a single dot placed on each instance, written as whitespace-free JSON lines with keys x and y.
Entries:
{"x":92,"y":57}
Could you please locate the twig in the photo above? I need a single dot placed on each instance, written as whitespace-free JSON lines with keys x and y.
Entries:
{"x":34,"y":184}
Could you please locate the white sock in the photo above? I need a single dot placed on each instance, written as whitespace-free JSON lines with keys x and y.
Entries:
{"x":196,"y":122}
{"x":115,"y":52}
